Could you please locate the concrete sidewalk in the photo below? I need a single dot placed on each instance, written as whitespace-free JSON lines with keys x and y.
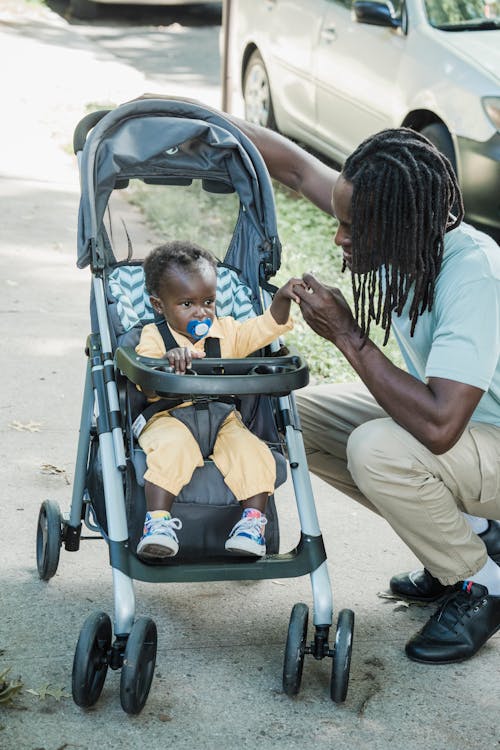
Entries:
{"x":218,"y":677}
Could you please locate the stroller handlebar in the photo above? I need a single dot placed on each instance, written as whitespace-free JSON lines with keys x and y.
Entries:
{"x":276,"y":376}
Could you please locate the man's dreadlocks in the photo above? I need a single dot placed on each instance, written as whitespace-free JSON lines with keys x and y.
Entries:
{"x":404,"y":192}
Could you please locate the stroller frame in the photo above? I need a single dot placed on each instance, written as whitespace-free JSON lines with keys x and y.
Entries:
{"x":276,"y":376}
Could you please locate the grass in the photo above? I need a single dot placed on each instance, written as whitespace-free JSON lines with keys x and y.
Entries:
{"x":306,"y":235}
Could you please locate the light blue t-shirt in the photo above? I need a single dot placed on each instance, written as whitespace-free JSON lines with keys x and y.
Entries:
{"x":460,"y":338}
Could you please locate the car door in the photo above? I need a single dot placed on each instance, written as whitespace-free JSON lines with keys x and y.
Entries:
{"x":356,"y":71}
{"x":293,"y":29}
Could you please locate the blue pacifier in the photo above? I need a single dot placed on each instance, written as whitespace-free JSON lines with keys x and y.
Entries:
{"x":198,"y":328}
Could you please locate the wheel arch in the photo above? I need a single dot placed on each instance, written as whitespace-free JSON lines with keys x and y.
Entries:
{"x":421,"y":118}
{"x":248,"y":52}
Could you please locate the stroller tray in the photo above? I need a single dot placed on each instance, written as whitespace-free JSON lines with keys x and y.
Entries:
{"x":276,"y":376}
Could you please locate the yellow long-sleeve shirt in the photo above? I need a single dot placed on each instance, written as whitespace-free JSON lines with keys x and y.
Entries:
{"x":237,"y":339}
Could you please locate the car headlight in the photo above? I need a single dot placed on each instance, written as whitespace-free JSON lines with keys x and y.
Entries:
{"x":491,"y":105}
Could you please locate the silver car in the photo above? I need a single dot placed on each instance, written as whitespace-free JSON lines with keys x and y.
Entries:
{"x":328,"y":73}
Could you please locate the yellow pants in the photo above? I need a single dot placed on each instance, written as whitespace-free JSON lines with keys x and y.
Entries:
{"x":172,"y":455}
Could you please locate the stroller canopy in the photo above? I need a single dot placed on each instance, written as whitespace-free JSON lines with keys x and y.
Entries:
{"x":171,"y":141}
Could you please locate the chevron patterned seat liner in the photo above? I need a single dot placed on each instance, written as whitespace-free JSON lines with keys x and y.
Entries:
{"x":127,"y":289}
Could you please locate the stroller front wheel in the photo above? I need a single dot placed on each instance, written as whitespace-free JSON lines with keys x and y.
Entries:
{"x":90,"y":664}
{"x":295,"y":649}
{"x":48,"y":539}
{"x":342,"y":656}
{"x":138,"y":666}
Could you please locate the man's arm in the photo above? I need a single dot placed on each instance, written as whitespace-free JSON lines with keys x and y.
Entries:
{"x":292,"y":165}
{"x":435,"y":413}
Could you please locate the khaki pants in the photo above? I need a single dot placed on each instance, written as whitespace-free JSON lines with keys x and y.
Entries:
{"x":353,"y":445}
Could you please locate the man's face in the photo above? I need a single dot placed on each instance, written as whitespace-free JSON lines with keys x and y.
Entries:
{"x":185,"y":296}
{"x":342,"y":204}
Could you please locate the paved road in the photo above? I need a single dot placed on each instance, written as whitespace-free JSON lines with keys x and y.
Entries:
{"x":177,"y":49}
{"x":218,"y":677}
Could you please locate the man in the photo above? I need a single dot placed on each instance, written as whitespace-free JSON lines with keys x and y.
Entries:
{"x":421,"y":447}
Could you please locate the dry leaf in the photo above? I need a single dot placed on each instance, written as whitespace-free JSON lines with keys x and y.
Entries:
{"x":46,"y":690}
{"x":58,"y":693}
{"x":51,"y":469}
{"x":8,"y":689}
{"x":400,"y":603}
{"x":28,"y":427}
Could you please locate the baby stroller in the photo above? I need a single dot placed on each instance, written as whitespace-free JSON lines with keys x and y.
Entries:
{"x":161,"y":141}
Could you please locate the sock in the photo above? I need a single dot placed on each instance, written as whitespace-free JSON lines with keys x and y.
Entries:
{"x":254,"y":513}
{"x":488,"y":576}
{"x":478,"y":525}
{"x":158,"y":514}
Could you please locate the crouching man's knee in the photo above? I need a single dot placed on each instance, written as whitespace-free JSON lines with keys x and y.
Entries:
{"x":375,"y":453}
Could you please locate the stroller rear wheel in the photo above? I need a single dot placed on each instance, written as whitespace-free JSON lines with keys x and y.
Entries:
{"x":48,"y":539}
{"x":138,"y":667}
{"x":342,"y":656}
{"x":295,"y":649}
{"x":90,"y":664}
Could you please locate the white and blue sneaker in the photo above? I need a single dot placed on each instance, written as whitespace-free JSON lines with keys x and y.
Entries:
{"x":159,"y":538}
{"x":247,"y":537}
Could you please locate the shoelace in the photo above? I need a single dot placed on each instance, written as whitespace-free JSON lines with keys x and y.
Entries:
{"x":168,"y":526}
{"x":455,"y":606}
{"x":252,"y":524}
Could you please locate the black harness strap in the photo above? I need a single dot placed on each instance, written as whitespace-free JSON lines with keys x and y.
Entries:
{"x":212,"y":346}
{"x":212,"y":349}
{"x":204,"y":418}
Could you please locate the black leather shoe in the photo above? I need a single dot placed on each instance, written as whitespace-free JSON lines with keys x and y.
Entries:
{"x":461,"y":625}
{"x":491,"y":538}
{"x":421,"y":586}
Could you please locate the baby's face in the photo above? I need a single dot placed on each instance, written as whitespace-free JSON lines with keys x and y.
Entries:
{"x":185,"y":296}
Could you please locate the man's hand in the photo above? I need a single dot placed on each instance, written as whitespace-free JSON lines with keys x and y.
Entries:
{"x":181,"y":358}
{"x":325,"y":310}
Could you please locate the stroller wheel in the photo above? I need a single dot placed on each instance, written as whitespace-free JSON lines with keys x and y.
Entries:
{"x":295,"y":649}
{"x":48,"y":539}
{"x":342,"y":656}
{"x":90,"y":664}
{"x":138,"y":667}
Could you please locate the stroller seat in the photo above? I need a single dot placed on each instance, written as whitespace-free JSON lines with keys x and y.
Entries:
{"x":206,"y":506}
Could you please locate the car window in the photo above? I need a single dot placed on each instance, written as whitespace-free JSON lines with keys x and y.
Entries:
{"x":395,"y":4}
{"x":463,"y":15}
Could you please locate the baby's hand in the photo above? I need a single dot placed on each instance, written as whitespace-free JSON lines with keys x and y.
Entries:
{"x":288,"y":290}
{"x":181,"y":358}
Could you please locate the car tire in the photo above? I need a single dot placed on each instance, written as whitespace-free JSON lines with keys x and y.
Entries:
{"x":440,"y":137}
{"x":257,"y":93}
{"x":83,"y":10}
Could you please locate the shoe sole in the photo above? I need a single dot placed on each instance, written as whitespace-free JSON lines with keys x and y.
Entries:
{"x":452,"y":661}
{"x":155,"y":552}
{"x":245,"y":552}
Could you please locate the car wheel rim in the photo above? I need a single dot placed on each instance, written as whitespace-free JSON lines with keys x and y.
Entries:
{"x":257,"y":96}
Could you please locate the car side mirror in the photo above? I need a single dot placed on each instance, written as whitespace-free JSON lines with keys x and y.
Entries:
{"x":375,"y":13}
